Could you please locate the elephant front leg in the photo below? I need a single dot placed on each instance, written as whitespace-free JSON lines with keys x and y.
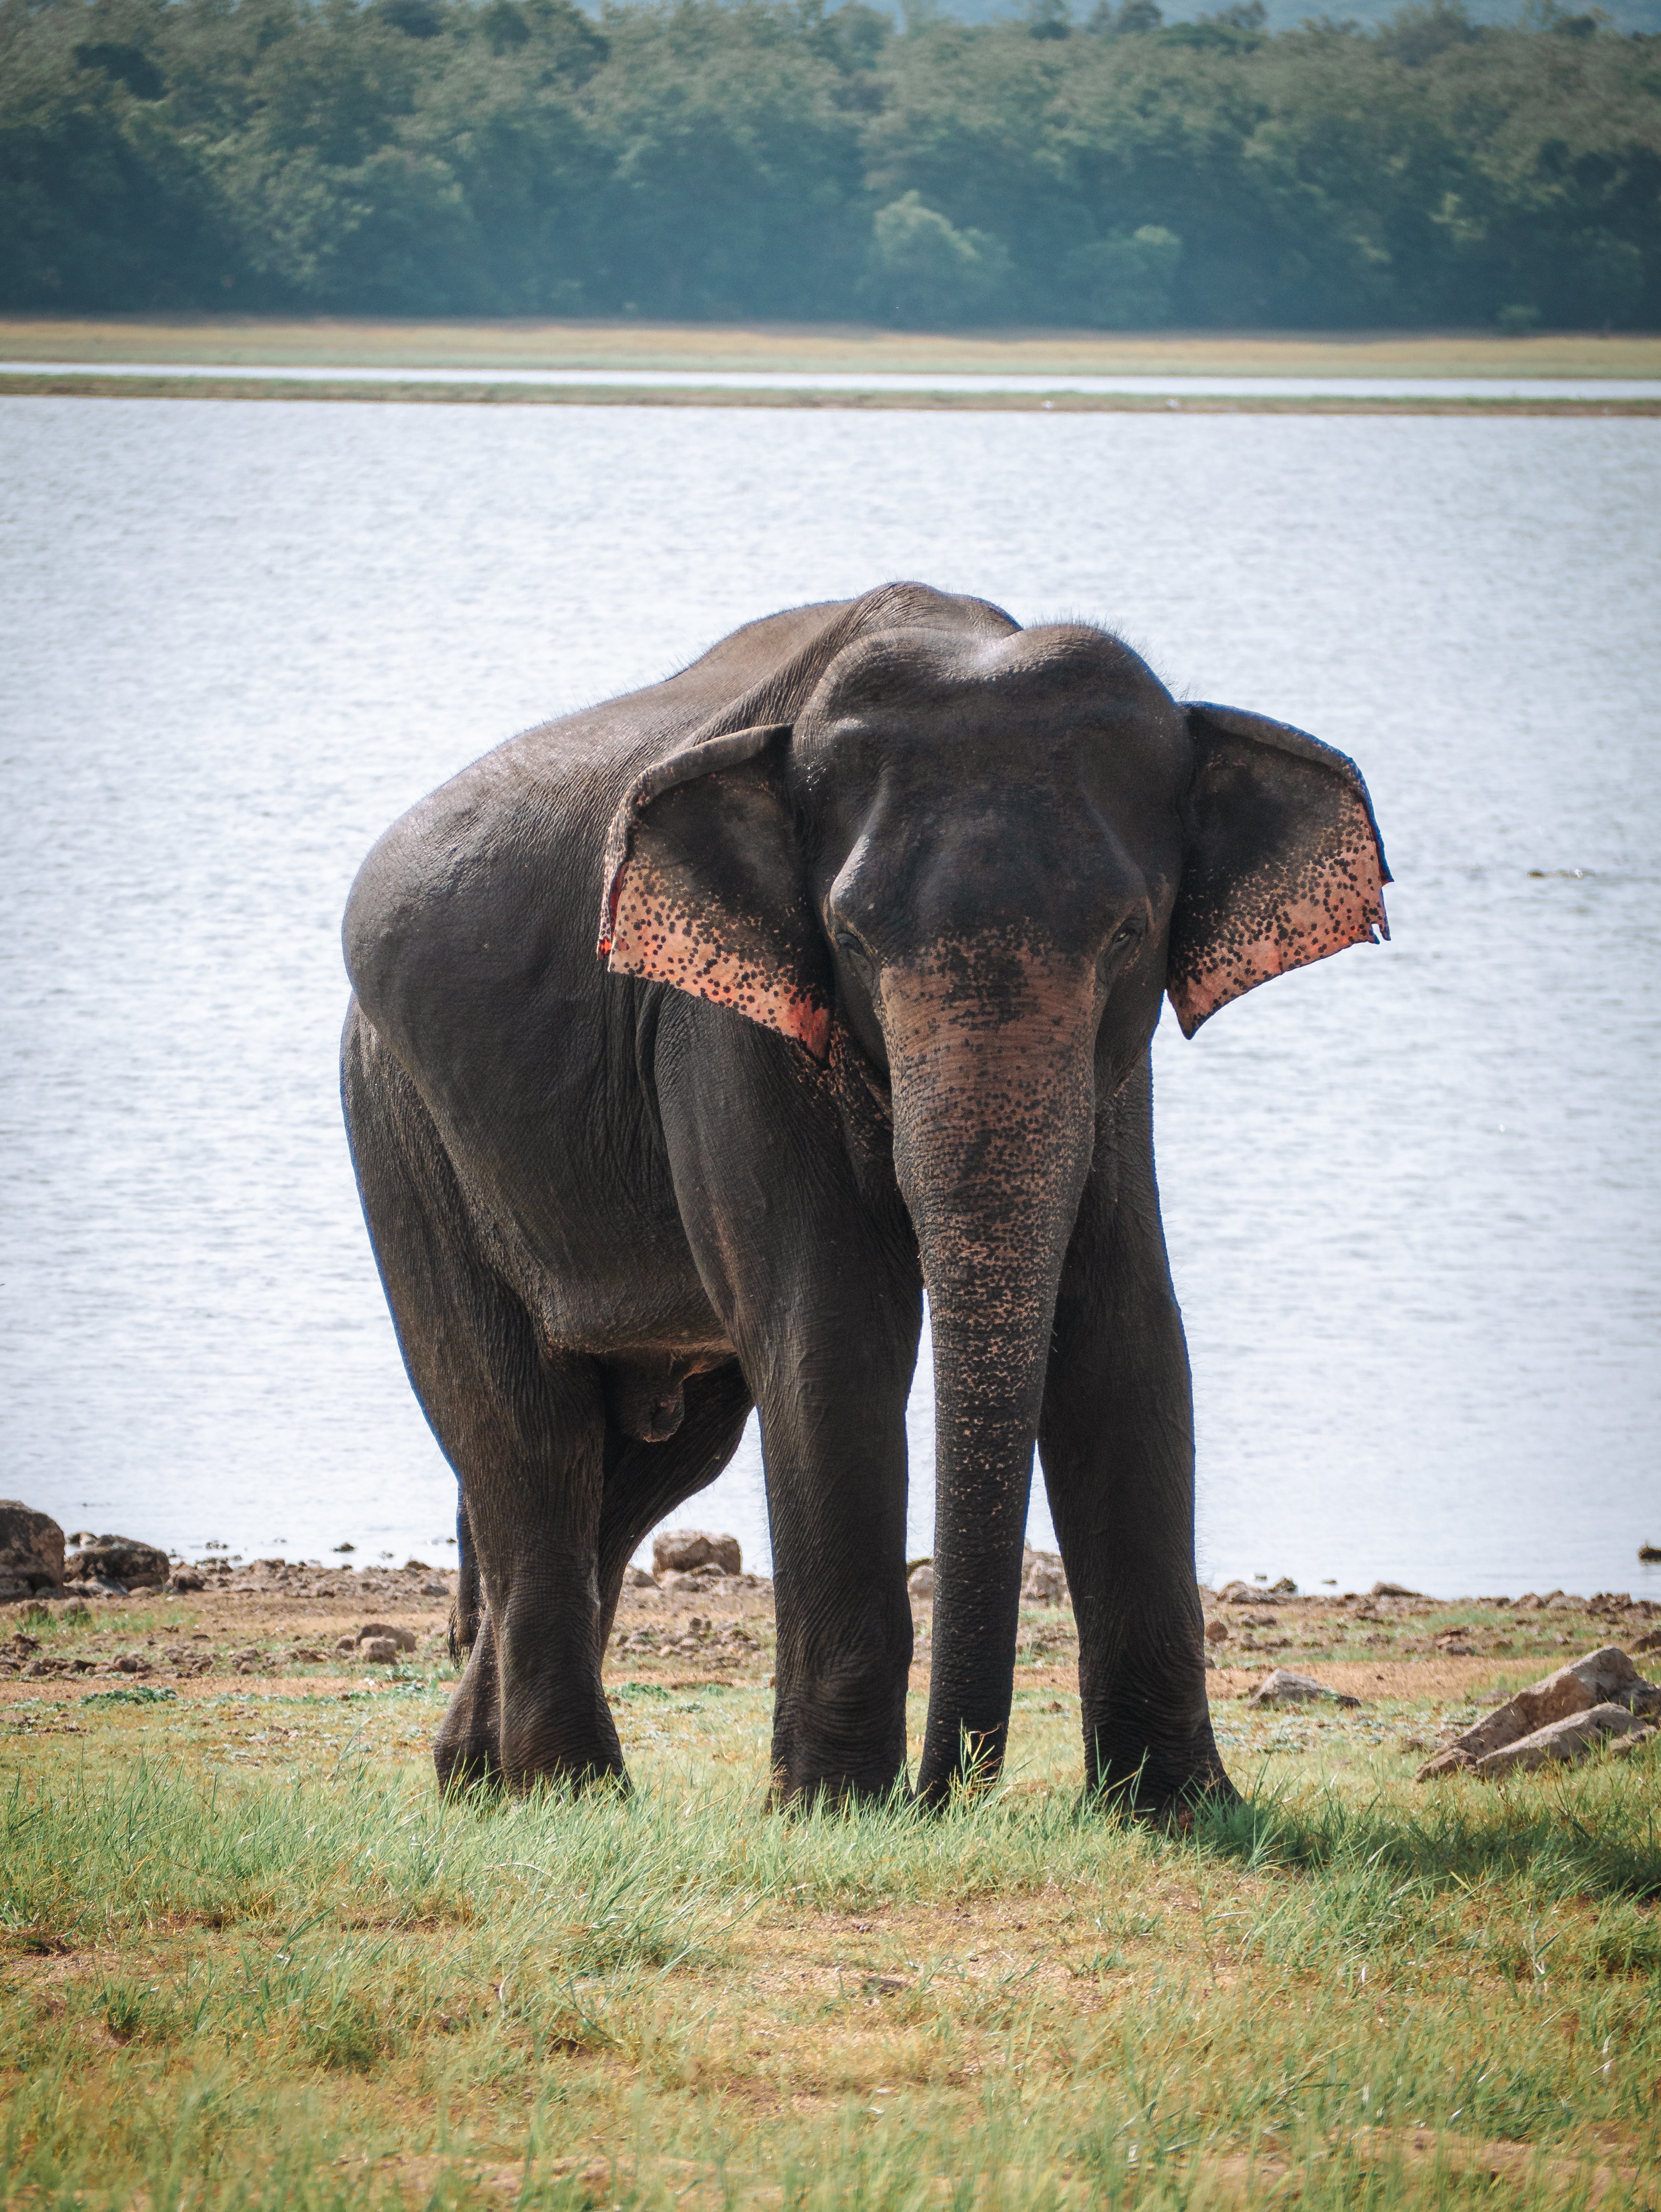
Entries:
{"x":1117,"y":1441}
{"x":817,"y":1285}
{"x":836,"y":1491}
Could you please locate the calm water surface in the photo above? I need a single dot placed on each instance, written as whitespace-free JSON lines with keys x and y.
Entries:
{"x":1411,"y":1193}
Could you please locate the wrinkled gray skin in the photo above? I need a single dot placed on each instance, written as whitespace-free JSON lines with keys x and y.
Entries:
{"x":890,"y":891}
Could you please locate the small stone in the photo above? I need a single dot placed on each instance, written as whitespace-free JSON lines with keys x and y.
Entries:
{"x":1285,"y":1587}
{"x":379,"y":1650}
{"x":1603,"y":1677}
{"x":31,"y":1549}
{"x":119,"y":1560}
{"x":1623,"y":1745}
{"x":637,"y":1578}
{"x":1568,"y":1738}
{"x":1392,"y":1589}
{"x":185,"y":1578}
{"x":380,"y":1631}
{"x":1216,"y":1632}
{"x":679,"y":1551}
{"x":1284,"y":1687}
{"x":1045,"y":1582}
{"x":920,"y":1583}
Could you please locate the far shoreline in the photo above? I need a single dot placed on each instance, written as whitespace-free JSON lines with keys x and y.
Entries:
{"x":628,"y":342}
{"x":89,"y":383}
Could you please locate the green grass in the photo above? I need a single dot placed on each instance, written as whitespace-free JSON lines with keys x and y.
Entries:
{"x":314,"y":1985}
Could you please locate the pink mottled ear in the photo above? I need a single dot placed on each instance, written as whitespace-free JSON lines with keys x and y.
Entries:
{"x":1283,"y":865}
{"x":704,"y":887}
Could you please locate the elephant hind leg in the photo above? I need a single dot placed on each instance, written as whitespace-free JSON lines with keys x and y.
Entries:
{"x":646,"y":1481}
{"x":525,"y":1435}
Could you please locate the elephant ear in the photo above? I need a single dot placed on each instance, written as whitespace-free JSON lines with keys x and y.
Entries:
{"x":705,"y":889}
{"x":1283,"y":866}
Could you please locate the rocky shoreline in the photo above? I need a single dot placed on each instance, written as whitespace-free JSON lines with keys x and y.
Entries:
{"x":700,"y":1617}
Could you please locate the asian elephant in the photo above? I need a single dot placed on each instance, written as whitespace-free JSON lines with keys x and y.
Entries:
{"x":886,"y":893}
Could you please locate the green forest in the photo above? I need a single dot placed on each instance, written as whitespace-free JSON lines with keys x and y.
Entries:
{"x":778,"y":158}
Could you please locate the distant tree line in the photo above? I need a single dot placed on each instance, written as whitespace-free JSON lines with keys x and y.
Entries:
{"x":778,"y":158}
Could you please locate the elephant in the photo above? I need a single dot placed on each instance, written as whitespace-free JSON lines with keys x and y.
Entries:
{"x":696,"y":1035}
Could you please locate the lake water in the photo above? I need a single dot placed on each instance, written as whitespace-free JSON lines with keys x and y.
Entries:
{"x":1411,"y":1193}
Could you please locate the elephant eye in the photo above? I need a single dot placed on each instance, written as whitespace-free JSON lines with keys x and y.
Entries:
{"x":1122,"y":940}
{"x":856,"y":954}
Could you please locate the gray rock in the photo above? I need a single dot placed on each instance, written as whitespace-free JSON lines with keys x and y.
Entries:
{"x":184,"y":1578}
{"x":1568,"y":1738}
{"x":380,"y":1650}
{"x":1391,"y":1589}
{"x":637,"y":1578}
{"x":1217,"y":1631}
{"x":381,"y":1632}
{"x":921,"y":1580}
{"x":1284,"y":1687}
{"x":1623,"y":1745}
{"x":678,"y":1551}
{"x":1238,"y":1593}
{"x":31,"y":1550}
{"x":1044,"y":1581}
{"x":1605,"y":1676}
{"x":120,"y":1559}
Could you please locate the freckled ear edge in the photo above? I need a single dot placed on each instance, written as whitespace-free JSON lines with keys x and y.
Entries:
{"x":729,"y":926}
{"x":703,"y":757}
{"x":1312,"y":884}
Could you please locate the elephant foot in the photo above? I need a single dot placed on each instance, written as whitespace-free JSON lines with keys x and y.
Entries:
{"x":786,"y":1794}
{"x":467,"y":1757}
{"x":1174,"y":1806}
{"x":530,"y":1738}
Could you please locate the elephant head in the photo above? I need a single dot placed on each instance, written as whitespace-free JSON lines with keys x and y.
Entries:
{"x":973,"y":857}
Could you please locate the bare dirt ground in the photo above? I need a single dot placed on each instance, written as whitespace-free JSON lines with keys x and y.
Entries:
{"x":275,"y":1628}
{"x":349,"y":343}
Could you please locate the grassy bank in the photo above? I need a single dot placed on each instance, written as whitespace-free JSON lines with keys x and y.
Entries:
{"x":251,"y":1960}
{"x":272,"y":341}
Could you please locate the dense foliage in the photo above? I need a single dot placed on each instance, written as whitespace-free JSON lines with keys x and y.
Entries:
{"x":687,"y":158}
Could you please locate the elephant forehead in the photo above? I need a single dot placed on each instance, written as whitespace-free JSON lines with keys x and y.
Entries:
{"x":1002,"y":706}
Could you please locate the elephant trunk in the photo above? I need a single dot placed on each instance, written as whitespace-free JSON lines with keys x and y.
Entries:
{"x":991,"y":1063}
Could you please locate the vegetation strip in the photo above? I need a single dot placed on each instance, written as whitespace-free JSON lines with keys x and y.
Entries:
{"x":32,"y":384}
{"x":1096,"y":167}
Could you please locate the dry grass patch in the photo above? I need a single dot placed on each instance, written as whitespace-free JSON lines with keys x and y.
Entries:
{"x":307,"y":1982}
